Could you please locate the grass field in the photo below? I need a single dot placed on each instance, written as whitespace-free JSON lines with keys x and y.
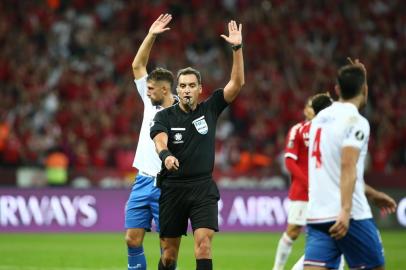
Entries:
{"x":243,"y":251}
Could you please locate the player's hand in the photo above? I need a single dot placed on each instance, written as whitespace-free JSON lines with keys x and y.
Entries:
{"x":356,"y":62}
{"x":386,"y":203}
{"x":340,"y":228}
{"x":159,"y":26}
{"x":172,"y":163}
{"x":234,"y":33}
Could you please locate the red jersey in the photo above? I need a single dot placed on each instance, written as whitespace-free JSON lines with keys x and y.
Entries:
{"x":297,"y":145}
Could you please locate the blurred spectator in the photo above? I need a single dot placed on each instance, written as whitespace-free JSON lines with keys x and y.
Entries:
{"x":4,"y":133}
{"x":65,"y":74}
{"x":56,"y":168}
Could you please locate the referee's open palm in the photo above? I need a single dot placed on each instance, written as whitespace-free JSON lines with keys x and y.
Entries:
{"x":234,"y":33}
{"x":159,"y":26}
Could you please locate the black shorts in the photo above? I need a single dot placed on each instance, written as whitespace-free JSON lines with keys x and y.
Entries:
{"x":179,"y":202}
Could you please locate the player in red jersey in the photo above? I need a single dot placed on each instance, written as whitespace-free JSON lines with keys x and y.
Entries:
{"x":296,"y":161}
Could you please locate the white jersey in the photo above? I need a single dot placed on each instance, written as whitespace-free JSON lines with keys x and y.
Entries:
{"x":146,"y":159}
{"x":332,"y":129}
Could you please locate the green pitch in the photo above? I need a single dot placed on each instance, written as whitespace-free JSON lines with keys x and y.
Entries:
{"x":243,"y":251}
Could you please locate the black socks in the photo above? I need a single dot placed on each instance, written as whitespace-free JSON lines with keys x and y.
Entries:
{"x":204,"y":264}
{"x":171,"y":266}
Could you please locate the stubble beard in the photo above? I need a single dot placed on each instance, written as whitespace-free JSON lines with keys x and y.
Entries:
{"x":156,"y":102}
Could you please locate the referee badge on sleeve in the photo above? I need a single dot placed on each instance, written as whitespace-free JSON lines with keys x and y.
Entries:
{"x":201,"y":125}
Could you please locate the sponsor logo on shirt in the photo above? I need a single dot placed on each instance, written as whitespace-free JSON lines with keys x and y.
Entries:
{"x":177,"y":138}
{"x":306,"y":137}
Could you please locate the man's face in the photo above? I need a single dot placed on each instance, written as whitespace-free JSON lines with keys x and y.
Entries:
{"x":156,"y":92}
{"x":188,"y":89}
{"x":308,"y":111}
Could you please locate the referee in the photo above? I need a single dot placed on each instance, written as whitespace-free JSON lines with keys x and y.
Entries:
{"x":184,"y":137}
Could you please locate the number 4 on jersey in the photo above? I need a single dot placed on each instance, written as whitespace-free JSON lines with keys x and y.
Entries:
{"x":316,"y":148}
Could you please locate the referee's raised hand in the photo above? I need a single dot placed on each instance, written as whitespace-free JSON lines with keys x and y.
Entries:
{"x":159,"y":26}
{"x":172,"y":163}
{"x":234,"y":33}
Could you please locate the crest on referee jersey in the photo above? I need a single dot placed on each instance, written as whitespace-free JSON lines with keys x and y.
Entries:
{"x":201,"y":125}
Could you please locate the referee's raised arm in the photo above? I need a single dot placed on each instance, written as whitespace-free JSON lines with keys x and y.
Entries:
{"x":233,"y":87}
{"x":140,"y":61}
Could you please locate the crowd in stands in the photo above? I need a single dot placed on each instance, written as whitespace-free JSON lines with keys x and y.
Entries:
{"x":66,"y":80}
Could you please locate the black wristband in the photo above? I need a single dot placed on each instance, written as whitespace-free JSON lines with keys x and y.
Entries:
{"x":164,"y":154}
{"x":236,"y":47}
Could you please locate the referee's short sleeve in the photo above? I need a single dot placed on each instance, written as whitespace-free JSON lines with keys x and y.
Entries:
{"x":216,"y":101}
{"x":159,"y":124}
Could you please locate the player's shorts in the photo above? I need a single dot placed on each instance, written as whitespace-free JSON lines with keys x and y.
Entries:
{"x":181,"y":202}
{"x":362,"y":246}
{"x":297,"y":213}
{"x":143,"y":204}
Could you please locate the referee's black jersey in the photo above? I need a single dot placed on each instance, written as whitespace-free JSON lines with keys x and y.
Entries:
{"x":191,"y":137}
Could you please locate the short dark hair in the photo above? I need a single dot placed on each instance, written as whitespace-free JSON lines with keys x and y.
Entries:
{"x":320,"y":102}
{"x":350,"y":78}
{"x":189,"y":70}
{"x":161,"y":74}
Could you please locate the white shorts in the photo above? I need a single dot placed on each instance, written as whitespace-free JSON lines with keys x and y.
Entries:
{"x":297,"y":213}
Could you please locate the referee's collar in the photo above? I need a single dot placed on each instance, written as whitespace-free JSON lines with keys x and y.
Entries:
{"x":175,"y":99}
{"x":190,"y":112}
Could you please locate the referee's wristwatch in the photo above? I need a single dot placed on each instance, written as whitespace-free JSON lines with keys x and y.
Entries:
{"x":236,"y":47}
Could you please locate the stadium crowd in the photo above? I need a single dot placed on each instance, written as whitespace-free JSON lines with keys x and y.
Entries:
{"x":66,"y":82}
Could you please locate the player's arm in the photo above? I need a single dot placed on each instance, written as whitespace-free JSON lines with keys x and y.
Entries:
{"x":161,"y":146}
{"x":382,"y":200}
{"x":140,"y":61}
{"x":349,"y":158}
{"x":294,"y":169}
{"x":236,"y":82}
{"x":356,"y":62}
{"x":292,"y":152}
